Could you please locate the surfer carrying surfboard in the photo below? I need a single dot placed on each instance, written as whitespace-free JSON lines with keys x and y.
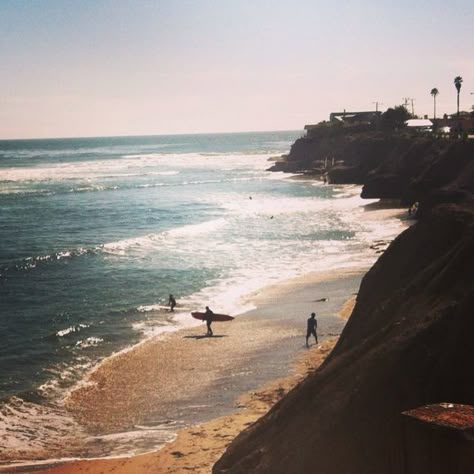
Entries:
{"x":208,"y":318}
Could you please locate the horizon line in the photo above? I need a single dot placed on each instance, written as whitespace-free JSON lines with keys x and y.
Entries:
{"x":148,"y":135}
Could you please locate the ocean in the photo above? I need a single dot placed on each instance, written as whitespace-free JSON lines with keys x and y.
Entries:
{"x":97,"y":232}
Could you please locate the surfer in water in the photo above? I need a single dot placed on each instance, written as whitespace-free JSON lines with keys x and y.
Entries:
{"x":172,"y":302}
{"x":208,"y":315}
{"x":312,"y":325}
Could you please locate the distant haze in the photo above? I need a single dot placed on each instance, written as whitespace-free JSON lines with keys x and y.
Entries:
{"x":123,"y":67}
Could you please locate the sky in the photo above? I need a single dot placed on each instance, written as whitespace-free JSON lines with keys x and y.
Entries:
{"x":73,"y":68}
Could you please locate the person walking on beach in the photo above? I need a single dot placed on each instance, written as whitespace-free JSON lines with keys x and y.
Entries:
{"x":312,"y":325}
{"x":171,"y":302}
{"x":208,"y":318}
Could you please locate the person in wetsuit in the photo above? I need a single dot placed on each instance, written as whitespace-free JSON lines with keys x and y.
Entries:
{"x":172,"y":302}
{"x":312,"y":325}
{"x":208,"y":318}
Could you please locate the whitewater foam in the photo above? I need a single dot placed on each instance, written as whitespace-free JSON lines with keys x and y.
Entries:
{"x":157,"y":240}
{"x":71,"y":329}
{"x":127,"y":166}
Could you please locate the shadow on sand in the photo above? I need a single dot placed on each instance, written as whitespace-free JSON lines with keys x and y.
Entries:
{"x":205,"y":337}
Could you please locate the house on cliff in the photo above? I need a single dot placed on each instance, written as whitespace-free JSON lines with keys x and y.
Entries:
{"x":464,"y":123}
{"x":419,"y":125}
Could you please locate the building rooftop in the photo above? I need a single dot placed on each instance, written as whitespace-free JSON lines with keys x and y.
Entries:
{"x":452,"y":416}
{"x":425,"y":123}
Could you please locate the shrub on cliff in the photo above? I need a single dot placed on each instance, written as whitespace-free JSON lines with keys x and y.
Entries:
{"x":394,"y":118}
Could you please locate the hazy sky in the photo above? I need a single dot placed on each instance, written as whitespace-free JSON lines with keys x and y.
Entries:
{"x":128,"y":67}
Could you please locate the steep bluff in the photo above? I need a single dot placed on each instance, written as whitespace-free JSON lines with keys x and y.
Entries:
{"x":412,"y":169}
{"x":407,"y":343}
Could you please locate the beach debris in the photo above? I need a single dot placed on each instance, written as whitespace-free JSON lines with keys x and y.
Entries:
{"x":320,"y":300}
{"x":178,"y":454}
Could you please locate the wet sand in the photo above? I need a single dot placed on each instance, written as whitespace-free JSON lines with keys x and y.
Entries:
{"x":189,"y":377}
{"x":198,"y":447}
{"x":198,"y":382}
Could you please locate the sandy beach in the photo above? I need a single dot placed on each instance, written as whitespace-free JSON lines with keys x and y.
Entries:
{"x":198,"y":447}
{"x":209,"y":389}
{"x":175,"y":401}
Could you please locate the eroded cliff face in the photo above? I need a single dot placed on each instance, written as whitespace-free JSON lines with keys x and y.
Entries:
{"x":355,"y":155}
{"x":412,"y":169}
{"x":407,"y":343}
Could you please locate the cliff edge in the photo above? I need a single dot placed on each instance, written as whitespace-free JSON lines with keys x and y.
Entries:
{"x":408,"y":343}
{"x":425,"y":169}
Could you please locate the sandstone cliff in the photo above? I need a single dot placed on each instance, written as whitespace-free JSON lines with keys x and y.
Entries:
{"x":412,"y":169}
{"x":407,"y":343}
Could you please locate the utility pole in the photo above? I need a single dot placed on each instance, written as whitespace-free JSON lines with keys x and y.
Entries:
{"x":377,"y":105}
{"x":405,"y":104}
{"x":377,"y":118}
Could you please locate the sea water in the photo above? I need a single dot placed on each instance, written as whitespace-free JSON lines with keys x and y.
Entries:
{"x":97,"y":232}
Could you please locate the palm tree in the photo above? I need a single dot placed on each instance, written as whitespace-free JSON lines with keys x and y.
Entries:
{"x":457,"y":84}
{"x":434,"y":92}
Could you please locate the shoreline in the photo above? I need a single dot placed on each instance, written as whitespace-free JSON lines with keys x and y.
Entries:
{"x":197,"y":447}
{"x":275,"y":326}
{"x":275,"y":339}
{"x":190,"y":377}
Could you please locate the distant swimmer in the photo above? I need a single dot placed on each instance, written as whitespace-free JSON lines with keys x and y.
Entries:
{"x":208,"y":315}
{"x":172,"y":302}
{"x":312,"y":325}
